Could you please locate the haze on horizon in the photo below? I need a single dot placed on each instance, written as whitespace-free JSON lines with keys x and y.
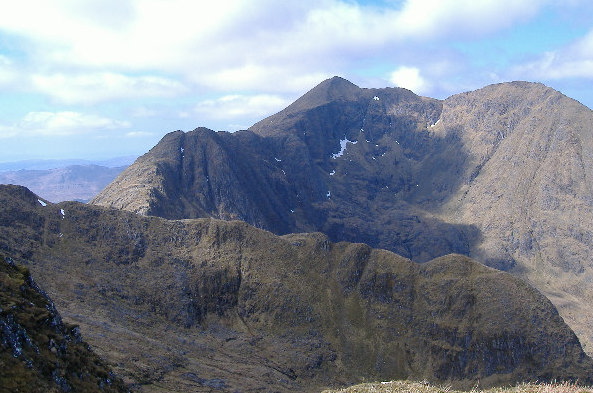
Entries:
{"x":98,"y":79}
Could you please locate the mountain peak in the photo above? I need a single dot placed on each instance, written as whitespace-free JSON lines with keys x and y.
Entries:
{"x":332,"y":89}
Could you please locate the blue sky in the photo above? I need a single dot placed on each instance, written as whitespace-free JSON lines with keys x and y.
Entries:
{"x":103,"y":78}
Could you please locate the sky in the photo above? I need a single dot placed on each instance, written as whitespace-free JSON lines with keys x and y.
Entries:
{"x":96,"y":79}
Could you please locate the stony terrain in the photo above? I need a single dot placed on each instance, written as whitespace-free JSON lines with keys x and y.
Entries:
{"x":501,"y":174}
{"x":207,"y":305}
{"x":38,"y":352}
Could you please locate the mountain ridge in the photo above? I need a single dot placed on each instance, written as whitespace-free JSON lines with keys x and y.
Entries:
{"x":223,"y":305}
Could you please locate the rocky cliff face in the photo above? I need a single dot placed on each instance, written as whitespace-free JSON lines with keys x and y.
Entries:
{"x":38,"y":352}
{"x":196,"y":305}
{"x":501,"y":174}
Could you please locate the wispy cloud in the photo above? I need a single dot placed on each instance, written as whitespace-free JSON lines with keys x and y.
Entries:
{"x":232,"y":108}
{"x":60,"y":124}
{"x":573,"y":61}
{"x":9,"y":74}
{"x":98,"y":87}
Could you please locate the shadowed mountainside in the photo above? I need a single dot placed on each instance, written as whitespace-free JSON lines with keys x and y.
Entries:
{"x":340,"y":160}
{"x":501,"y":174}
{"x":196,"y":305}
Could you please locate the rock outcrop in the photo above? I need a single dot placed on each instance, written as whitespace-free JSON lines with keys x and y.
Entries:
{"x":39,"y":352}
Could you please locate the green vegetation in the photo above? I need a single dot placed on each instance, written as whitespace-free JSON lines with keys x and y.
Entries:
{"x":423,"y":387}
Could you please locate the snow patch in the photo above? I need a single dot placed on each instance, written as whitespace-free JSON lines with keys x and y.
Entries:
{"x":63,"y":213}
{"x":41,"y":202}
{"x":343,"y":143}
{"x":329,"y":194}
{"x":181,"y":149}
{"x":277,"y":159}
{"x":332,"y":172}
{"x":376,"y":98}
{"x":437,"y":122}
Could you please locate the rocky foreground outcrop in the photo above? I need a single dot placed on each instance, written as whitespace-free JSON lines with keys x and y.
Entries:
{"x":203,"y":304}
{"x":39,"y":352}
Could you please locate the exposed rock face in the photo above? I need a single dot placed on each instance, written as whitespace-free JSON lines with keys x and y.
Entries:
{"x":38,"y":352}
{"x":501,"y":174}
{"x":202,"y":304}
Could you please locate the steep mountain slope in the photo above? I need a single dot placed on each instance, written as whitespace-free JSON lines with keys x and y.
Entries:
{"x":70,"y":183}
{"x":501,"y":174}
{"x":340,"y":160}
{"x":528,"y":188}
{"x":201,"y":305}
{"x":38,"y":352}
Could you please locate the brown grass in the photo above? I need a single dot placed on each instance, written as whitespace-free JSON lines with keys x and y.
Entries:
{"x":423,"y":387}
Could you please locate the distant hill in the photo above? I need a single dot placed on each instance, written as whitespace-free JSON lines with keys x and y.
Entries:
{"x":69,"y":183}
{"x":62,"y":163}
{"x":209,"y":305}
{"x":501,"y":174}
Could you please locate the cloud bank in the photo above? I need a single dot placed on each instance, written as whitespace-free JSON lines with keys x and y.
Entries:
{"x":76,"y":66}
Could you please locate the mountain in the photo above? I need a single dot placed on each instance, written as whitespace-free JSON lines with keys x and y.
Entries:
{"x":308,"y":168}
{"x":208,"y":305}
{"x":39,"y":352}
{"x":501,"y":174}
{"x":73,"y":182}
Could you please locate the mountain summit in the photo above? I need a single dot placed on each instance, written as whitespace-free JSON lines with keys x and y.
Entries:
{"x":501,"y":174}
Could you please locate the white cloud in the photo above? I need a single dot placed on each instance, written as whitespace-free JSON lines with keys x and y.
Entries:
{"x":232,"y":107}
{"x":409,"y":78}
{"x":429,"y":18}
{"x":9,"y":76}
{"x":138,"y":134}
{"x":261,"y":39}
{"x":104,"y":86}
{"x":60,"y":124}
{"x":572,"y":61}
